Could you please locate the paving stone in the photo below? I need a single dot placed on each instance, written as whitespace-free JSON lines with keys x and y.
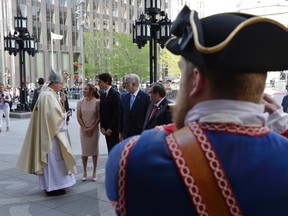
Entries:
{"x":20,"y":194}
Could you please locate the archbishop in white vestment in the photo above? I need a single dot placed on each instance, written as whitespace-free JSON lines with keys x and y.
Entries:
{"x":46,"y":150}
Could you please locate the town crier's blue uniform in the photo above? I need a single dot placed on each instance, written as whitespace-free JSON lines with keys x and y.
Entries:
{"x":254,"y":158}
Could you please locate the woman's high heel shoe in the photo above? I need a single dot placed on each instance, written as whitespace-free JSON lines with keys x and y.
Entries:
{"x":84,"y":178}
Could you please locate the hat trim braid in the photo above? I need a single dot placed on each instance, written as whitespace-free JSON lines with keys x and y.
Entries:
{"x":223,"y":44}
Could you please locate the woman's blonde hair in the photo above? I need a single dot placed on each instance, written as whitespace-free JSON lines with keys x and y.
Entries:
{"x":94,"y":90}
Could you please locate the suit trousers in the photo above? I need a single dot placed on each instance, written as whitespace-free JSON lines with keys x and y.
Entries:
{"x":112,"y":140}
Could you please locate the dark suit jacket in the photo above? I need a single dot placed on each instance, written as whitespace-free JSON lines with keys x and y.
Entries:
{"x":132,"y":120}
{"x":35,"y":96}
{"x":67,"y":108}
{"x":110,"y":110}
{"x":161,"y":116}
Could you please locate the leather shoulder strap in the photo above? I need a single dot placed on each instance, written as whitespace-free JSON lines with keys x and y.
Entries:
{"x":206,"y":195}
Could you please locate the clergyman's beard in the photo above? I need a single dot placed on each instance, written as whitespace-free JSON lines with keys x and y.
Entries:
{"x":181,"y":107}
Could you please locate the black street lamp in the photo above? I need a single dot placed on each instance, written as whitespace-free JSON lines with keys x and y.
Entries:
{"x":21,"y":41}
{"x":153,"y":30}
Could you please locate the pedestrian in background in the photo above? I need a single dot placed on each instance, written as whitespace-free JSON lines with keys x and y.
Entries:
{"x":36,"y":93}
{"x":158,"y":112}
{"x":4,"y":107}
{"x":134,"y":107}
{"x":123,"y":90}
{"x":46,"y":150}
{"x":110,"y":110}
{"x":9,"y":89}
{"x":88,"y":117}
{"x":284,"y":102}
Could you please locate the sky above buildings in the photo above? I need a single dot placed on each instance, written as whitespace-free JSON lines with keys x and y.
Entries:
{"x":274,"y":9}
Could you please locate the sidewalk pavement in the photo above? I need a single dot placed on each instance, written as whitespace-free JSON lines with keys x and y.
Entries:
{"x":20,"y":194}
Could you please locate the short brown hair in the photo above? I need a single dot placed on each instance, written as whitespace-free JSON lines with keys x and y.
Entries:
{"x":158,"y":88}
{"x":105,"y":77}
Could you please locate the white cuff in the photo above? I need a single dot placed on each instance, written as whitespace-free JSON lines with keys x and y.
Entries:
{"x":278,"y":121}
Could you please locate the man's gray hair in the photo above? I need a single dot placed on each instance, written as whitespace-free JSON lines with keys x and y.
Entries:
{"x":134,"y":78}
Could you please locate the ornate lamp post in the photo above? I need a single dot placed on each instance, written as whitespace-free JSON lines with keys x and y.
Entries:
{"x":149,"y":28}
{"x":20,"y":41}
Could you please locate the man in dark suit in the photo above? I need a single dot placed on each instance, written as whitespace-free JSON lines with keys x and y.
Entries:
{"x":110,"y":110}
{"x":134,"y":107}
{"x":65,"y":103}
{"x":37,"y":92}
{"x":158,"y":112}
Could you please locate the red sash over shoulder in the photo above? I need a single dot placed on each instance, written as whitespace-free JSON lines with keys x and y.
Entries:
{"x":202,"y":172}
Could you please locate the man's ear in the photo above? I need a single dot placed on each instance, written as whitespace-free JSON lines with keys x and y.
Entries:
{"x":197,"y":82}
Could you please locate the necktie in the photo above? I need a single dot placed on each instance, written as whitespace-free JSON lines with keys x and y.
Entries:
{"x":105,"y":93}
{"x":153,"y":111}
{"x":132,"y":98}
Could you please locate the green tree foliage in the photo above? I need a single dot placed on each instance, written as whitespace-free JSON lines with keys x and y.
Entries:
{"x":76,"y":67}
{"x":96,"y":52}
{"x":171,"y":62}
{"x":122,"y":58}
{"x":125,"y":57}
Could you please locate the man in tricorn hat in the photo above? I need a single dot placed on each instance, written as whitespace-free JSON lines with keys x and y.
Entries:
{"x":46,"y":150}
{"x":222,"y":159}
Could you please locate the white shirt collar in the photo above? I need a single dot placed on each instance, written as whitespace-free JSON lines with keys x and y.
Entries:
{"x":136,"y":92}
{"x":159,"y":102}
{"x":228,"y":111}
{"x":107,"y":91}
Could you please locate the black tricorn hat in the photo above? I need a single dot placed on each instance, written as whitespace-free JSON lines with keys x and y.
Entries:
{"x":230,"y":42}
